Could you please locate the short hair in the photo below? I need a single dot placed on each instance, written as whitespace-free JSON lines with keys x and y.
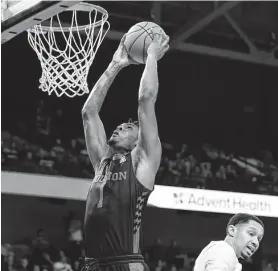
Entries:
{"x":134,"y":122}
{"x":242,"y":218}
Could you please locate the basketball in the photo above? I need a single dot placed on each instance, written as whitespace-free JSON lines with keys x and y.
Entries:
{"x":138,"y":39}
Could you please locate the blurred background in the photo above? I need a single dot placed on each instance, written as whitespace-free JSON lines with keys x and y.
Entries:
{"x":217,"y":122}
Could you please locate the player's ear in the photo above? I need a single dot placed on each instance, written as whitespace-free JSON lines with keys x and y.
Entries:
{"x":231,"y":230}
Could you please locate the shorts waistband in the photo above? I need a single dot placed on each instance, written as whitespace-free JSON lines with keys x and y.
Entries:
{"x":92,"y":263}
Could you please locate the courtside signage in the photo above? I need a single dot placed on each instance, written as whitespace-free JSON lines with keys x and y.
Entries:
{"x":213,"y":201}
{"x":162,"y":197}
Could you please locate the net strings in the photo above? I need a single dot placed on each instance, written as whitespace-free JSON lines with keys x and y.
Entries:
{"x":65,"y":70}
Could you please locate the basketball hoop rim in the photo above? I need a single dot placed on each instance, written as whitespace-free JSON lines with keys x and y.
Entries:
{"x":78,"y":7}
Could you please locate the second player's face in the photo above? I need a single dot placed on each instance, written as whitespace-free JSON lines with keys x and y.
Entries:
{"x":247,"y":238}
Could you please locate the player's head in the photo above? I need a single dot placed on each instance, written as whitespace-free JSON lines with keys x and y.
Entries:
{"x":125,"y":136}
{"x":245,"y":232}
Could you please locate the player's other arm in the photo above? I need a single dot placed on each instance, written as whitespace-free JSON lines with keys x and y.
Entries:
{"x":95,"y":135}
{"x":148,"y":149}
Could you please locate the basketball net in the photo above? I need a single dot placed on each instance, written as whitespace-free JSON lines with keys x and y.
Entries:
{"x":66,"y":53}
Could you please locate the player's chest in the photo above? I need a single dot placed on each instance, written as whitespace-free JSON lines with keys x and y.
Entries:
{"x":113,"y":181}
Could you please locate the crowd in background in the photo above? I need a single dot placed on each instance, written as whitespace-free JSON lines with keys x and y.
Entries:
{"x":43,"y":145}
{"x":38,"y":254}
{"x":49,"y":148}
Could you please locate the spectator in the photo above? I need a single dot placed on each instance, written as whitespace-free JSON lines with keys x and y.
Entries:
{"x":62,"y":263}
{"x":58,"y":153}
{"x":29,"y":164}
{"x":3,"y":155}
{"x":174,"y":174}
{"x":197,"y":178}
{"x":74,"y":150}
{"x":267,"y":266}
{"x":40,"y":245}
{"x":46,"y":161}
{"x":58,"y":150}
{"x":47,"y":263}
{"x":180,"y":165}
{"x":173,"y":251}
{"x":186,"y":263}
{"x":161,"y":266}
{"x":206,"y":170}
{"x":43,"y":119}
{"x":9,"y":262}
{"x":157,"y":251}
{"x":231,"y":173}
{"x":163,"y":171}
{"x":173,"y":268}
{"x":11,"y":153}
{"x":75,"y":236}
{"x":76,"y":265}
{"x":187,"y":167}
{"x":24,"y":264}
{"x":222,"y":172}
{"x":192,"y":161}
{"x":41,"y":241}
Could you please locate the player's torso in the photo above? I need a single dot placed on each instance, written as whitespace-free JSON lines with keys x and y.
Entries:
{"x":113,"y":210}
{"x":211,"y":251}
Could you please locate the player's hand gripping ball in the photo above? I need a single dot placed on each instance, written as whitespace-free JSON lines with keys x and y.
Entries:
{"x":139,"y":37}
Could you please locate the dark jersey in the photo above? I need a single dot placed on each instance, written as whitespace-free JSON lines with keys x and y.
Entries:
{"x":114,"y":207}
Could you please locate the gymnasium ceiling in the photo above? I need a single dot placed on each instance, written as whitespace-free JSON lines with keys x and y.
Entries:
{"x":237,"y":30}
{"x":213,"y":95}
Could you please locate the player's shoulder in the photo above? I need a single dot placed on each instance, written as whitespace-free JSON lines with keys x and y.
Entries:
{"x":221,"y":244}
{"x":104,"y":161}
{"x":221,"y":250}
{"x":216,"y":246}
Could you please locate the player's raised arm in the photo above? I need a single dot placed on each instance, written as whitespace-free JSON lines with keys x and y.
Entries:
{"x":149,"y":146}
{"x":95,"y":135}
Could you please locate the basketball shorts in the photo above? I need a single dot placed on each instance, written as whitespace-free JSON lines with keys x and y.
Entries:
{"x":133,"y":262}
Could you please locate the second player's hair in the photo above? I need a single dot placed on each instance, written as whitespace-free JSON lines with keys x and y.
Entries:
{"x":242,"y":218}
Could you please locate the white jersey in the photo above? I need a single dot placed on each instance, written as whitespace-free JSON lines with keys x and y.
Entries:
{"x":217,"y":256}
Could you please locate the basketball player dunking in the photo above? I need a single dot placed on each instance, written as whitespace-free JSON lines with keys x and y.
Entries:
{"x":125,"y":168}
{"x":244,"y":234}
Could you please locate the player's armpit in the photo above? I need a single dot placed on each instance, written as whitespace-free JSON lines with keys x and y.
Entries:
{"x":148,"y":131}
{"x":148,"y":150}
{"x":146,"y":155}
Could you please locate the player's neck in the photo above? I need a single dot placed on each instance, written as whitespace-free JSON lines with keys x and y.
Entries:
{"x":118,"y":153}
{"x":231,"y":243}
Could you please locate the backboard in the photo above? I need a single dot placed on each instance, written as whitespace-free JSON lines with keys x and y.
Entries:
{"x":19,"y":15}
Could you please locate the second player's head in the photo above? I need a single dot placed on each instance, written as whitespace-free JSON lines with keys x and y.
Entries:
{"x":125,"y":136}
{"x":245,"y":233}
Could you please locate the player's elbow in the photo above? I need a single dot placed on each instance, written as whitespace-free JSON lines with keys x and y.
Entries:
{"x":149,"y":95}
{"x":86,"y":112}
